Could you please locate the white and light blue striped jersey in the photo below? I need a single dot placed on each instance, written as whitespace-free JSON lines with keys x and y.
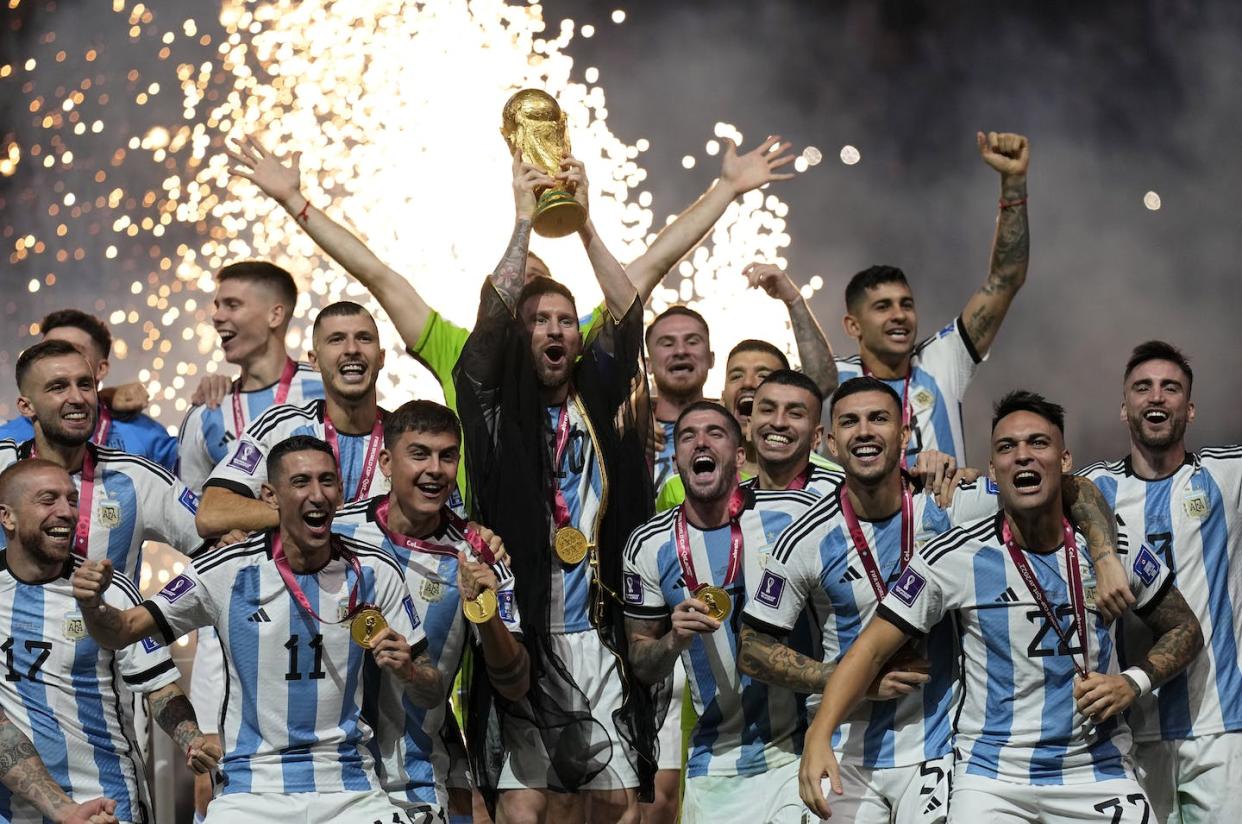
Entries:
{"x":132,"y":500}
{"x":664,"y":465}
{"x":244,"y":469}
{"x":814,"y":565}
{"x":581,"y":482}
{"x":942,"y":367}
{"x":206,"y":435}
{"x":71,"y":697}
{"x":412,"y":759}
{"x":1193,"y":519}
{"x":824,"y":478}
{"x":291,"y":719}
{"x":745,"y":727}
{"x":1016,"y":718}
{"x":137,"y":434}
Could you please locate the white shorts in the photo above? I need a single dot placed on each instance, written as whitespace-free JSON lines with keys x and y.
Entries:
{"x":594,"y":670}
{"x":207,"y":680}
{"x":917,"y":794}
{"x":768,"y":797}
{"x":306,"y":808}
{"x":669,"y":736}
{"x":1195,"y":780}
{"x":978,"y":800}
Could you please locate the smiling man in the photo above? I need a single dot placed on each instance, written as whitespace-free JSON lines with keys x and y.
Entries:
{"x":786,"y":430}
{"x":347,"y":352}
{"x":1039,"y":734}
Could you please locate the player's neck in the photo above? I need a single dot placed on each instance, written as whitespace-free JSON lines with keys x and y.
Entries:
{"x":876,"y":501}
{"x":304,"y":560}
{"x":69,"y":457}
{"x":264,"y":367}
{"x":1156,"y":462}
{"x":885,"y":367}
{"x":708,"y":513}
{"x":26,"y":567}
{"x":781,"y":475}
{"x":750,"y":467}
{"x":351,"y":417}
{"x":554,"y":395}
{"x":1038,"y":530}
{"x":668,"y":406}
{"x":410,"y":522}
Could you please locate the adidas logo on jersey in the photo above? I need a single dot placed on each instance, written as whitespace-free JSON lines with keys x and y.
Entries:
{"x":851,"y":574}
{"x":1008,"y":596}
{"x":259,"y":617}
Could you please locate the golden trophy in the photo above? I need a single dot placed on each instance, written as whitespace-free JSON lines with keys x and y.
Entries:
{"x":533,"y":122}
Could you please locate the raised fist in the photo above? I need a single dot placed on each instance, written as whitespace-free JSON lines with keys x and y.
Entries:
{"x":1007,"y":153}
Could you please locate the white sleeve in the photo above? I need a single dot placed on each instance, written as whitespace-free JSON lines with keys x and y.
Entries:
{"x":1149,"y":578}
{"x":974,"y":500}
{"x":194,"y":463}
{"x":145,"y":666}
{"x":182,"y":605}
{"x":174,"y":506}
{"x":776,"y":599}
{"x":917,"y":599}
{"x":644,"y":600}
{"x":951,"y":359}
{"x":392,"y":596}
{"x":244,"y":469}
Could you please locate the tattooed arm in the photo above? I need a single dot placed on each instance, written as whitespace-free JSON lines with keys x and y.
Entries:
{"x":510,"y":274}
{"x":814,"y":352}
{"x":111,"y":628}
{"x":1088,"y":509}
{"x":23,"y":772}
{"x":172,"y":710}
{"x":655,"y":644}
{"x":1008,"y":154}
{"x":426,"y":685}
{"x":762,"y":656}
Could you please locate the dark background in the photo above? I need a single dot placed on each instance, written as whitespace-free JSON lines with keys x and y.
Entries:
{"x":1118,"y":98}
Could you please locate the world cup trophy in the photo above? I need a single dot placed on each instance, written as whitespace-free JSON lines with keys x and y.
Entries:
{"x":533,"y":122}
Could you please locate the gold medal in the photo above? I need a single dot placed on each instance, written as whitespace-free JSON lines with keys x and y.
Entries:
{"x":482,"y":608}
{"x":366,"y":624}
{"x":719,"y":604}
{"x":571,"y":545}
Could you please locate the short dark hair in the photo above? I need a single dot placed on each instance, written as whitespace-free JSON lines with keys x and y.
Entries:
{"x":419,"y":416}
{"x":711,"y":406}
{"x":754,"y":345}
{"x":869,"y":278}
{"x":1159,"y":350}
{"x":77,"y":319}
{"x":1020,"y":400}
{"x":541,"y":285}
{"x":673,"y":311}
{"x":296,"y":443}
{"x":266,"y":274}
{"x":339,"y":309}
{"x":864,"y":383}
{"x":42,"y":350}
{"x":791,"y":377}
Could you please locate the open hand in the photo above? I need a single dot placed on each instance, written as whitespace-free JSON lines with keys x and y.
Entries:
{"x":279,"y":180}
{"x":741,"y":173}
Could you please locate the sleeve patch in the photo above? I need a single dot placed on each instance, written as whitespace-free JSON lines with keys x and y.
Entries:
{"x":505,"y":600}
{"x":991,"y":487}
{"x":176,"y":588}
{"x":633,"y":588}
{"x":408,"y":603}
{"x":948,"y":330}
{"x":189,"y":500}
{"x":247,"y":458}
{"x":150,"y":644}
{"x":771,"y":589}
{"x":908,"y":586}
{"x":1146,"y":566}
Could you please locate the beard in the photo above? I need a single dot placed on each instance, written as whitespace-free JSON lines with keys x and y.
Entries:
{"x":55,"y":432}
{"x":33,"y":540}
{"x":1162,"y":439}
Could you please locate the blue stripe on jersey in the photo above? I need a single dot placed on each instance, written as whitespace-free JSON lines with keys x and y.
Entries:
{"x":937,"y":729}
{"x":994,"y":627}
{"x":216,"y":439}
{"x":1057,"y":717}
{"x":353,"y":774}
{"x":703,"y":739}
{"x":353,"y":454}
{"x":576,"y":581}
{"x":119,"y":487}
{"x":665,"y":461}
{"x":46,"y":733}
{"x":878,"y":740}
{"x":1174,"y":695}
{"x":1224,"y":640}
{"x":302,"y":693}
{"x":834,"y":556}
{"x":92,"y":720}
{"x":244,"y":647}
{"x":1106,"y":758}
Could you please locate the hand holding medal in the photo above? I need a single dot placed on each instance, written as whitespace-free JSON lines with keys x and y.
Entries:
{"x":391,"y":651}
{"x":477,"y":583}
{"x":691,"y":618}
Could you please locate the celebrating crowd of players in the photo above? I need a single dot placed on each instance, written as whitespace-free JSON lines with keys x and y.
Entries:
{"x":863,"y":626}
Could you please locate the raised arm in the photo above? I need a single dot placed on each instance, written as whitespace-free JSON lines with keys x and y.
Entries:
{"x":1008,"y":154}
{"x":619,"y":293}
{"x":509,"y":275}
{"x":23,"y":772}
{"x":222,"y":510}
{"x":111,"y":628}
{"x":738,"y":174}
{"x":1087,"y":507}
{"x":172,"y":710}
{"x":281,"y":180}
{"x":813,"y":349}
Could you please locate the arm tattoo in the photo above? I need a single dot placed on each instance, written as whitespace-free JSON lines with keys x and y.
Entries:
{"x":813,"y":348}
{"x":105,"y":625}
{"x":23,"y":772}
{"x":510,"y":274}
{"x":652,"y":655}
{"x":1011,"y":249}
{"x":1178,"y":638}
{"x":762,"y":656}
{"x":1089,"y":511}
{"x":172,"y":710}
{"x":426,"y":685}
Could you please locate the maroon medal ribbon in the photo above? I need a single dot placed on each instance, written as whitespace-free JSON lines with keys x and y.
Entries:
{"x":103,"y":425}
{"x":560,"y":507}
{"x":801,"y":479}
{"x":878,"y":582}
{"x":282,"y":395}
{"x":369,"y":460}
{"x":1077,"y":601}
{"x":86,"y":493}
{"x":418,"y":545}
{"x":737,"y":503}
{"x":295,"y":589}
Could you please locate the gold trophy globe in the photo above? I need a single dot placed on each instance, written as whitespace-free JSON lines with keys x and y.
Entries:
{"x":533,"y":122}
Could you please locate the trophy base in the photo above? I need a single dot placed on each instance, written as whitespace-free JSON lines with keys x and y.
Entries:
{"x":558,"y":214}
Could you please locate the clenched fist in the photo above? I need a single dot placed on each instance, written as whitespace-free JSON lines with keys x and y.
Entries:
{"x":1005,"y":152}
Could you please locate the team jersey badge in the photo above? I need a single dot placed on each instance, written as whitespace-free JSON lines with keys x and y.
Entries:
{"x":108,"y":514}
{"x":1196,"y":504}
{"x":431,"y":590}
{"x":922,"y":399}
{"x":74,"y":628}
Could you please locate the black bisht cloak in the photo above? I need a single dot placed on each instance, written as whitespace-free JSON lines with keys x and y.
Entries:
{"x":509,"y":466}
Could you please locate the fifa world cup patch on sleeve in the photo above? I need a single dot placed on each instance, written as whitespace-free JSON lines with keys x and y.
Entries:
{"x":176,"y":588}
{"x":771,"y":589}
{"x":633,"y":588}
{"x":408,"y":603}
{"x":246,"y":458}
{"x":189,"y":500}
{"x":150,"y":644}
{"x":505,"y":601}
{"x":1146,"y":567}
{"x":991,"y":487}
{"x":908,"y":586}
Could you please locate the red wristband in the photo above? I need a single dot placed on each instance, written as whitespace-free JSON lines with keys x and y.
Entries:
{"x":1005,"y":204}
{"x":303,"y":216}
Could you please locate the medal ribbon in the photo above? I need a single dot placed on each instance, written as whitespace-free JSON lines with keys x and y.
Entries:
{"x":103,"y":425}
{"x":560,"y":507}
{"x":282,"y":395}
{"x":800,"y":481}
{"x":417,"y":544}
{"x":878,"y":582}
{"x":86,"y":492}
{"x":907,"y":414}
{"x":737,"y":503}
{"x":1077,"y":602}
{"x":369,"y":460}
{"x":295,"y":589}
